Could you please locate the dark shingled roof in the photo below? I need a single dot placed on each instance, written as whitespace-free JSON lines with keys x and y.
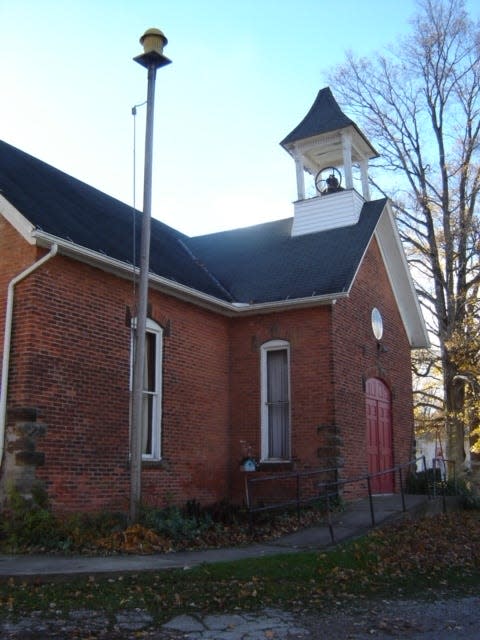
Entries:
{"x":324,"y":115}
{"x":262,"y":263}
{"x":67,"y":208}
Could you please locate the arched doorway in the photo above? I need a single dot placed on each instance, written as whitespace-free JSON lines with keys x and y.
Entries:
{"x":379,"y":435}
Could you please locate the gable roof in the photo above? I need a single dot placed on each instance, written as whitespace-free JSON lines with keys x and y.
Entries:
{"x":263,"y":263}
{"x":243,"y":265}
{"x":243,"y":270}
{"x":63,"y":207}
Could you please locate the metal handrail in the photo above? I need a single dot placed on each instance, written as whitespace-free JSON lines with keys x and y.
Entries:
{"x":297,"y":502}
{"x":331,"y":488}
{"x":369,"y":476}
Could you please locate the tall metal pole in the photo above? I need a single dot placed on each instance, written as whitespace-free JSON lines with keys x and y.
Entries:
{"x":153,"y":41}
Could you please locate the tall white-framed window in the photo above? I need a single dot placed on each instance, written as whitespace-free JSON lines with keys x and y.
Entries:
{"x":275,"y":400}
{"x":152,"y":390}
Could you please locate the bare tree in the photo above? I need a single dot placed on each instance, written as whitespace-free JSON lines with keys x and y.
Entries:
{"x":420,"y":105}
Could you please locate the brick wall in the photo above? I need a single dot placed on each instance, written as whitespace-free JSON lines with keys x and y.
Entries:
{"x":357,"y":357}
{"x":71,"y":359}
{"x":312,"y":399}
{"x":195,"y":406}
{"x":16,"y":256}
{"x":333,"y":352}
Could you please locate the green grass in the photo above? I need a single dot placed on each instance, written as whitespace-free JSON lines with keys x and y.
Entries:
{"x":411,"y":559}
{"x":297,"y":581}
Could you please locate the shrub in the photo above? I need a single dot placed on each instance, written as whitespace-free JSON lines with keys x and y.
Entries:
{"x":419,"y":482}
{"x":223,"y":512}
{"x":176,"y":523}
{"x":83,"y":530}
{"x":28,"y":523}
{"x":469,"y":497}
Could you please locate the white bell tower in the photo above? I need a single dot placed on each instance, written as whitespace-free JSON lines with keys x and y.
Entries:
{"x":328,"y":146}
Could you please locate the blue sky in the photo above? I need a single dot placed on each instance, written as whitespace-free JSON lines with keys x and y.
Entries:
{"x":244,"y":73}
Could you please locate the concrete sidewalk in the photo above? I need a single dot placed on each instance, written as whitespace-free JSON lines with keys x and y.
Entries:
{"x":354,"y":521}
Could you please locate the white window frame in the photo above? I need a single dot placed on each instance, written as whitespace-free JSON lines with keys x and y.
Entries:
{"x":267,"y":347}
{"x":156,"y":423}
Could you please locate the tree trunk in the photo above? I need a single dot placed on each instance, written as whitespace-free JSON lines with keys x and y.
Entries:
{"x":454,"y":409}
{"x":474,"y":450}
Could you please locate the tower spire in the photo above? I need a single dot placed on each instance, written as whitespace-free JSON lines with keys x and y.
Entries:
{"x":326,"y":137}
{"x":330,"y":147}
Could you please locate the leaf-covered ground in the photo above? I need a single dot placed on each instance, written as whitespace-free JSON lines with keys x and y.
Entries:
{"x":426,"y":551}
{"x":42,"y":531}
{"x":138,"y":539}
{"x":407,"y":558}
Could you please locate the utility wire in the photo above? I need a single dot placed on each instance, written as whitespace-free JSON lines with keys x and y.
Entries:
{"x":134,"y":208}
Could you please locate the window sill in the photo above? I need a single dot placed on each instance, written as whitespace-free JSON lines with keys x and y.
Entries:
{"x":275,"y":465}
{"x":150,"y":463}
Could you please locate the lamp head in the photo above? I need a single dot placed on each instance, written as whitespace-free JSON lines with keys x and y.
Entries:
{"x":153,"y":42}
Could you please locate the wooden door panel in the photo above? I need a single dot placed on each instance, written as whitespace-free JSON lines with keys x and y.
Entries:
{"x":379,"y":435}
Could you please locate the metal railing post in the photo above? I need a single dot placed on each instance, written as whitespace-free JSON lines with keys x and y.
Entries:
{"x":444,"y":500}
{"x":299,"y":500}
{"x":298,"y":497}
{"x":370,"y":498}
{"x":401,"y":489}
{"x":425,"y":471}
{"x":329,"y":515}
{"x":249,"y":505}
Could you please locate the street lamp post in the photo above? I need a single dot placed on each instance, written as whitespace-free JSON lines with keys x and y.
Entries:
{"x":152,"y":59}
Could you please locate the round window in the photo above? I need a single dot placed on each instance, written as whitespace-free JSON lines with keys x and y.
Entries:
{"x":377,"y":323}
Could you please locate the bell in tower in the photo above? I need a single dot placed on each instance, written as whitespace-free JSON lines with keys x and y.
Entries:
{"x":330,"y":184}
{"x":328,"y":146}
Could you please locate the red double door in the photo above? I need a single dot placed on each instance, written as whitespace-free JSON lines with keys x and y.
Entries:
{"x":379,"y":435}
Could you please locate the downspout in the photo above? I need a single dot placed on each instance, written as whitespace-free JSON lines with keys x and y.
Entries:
{"x":8,"y":338}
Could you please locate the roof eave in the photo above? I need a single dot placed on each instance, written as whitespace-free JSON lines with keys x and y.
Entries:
{"x":17,"y":220}
{"x":400,"y":278}
{"x":183,"y":292}
{"x":386,"y":233}
{"x":300,"y":144}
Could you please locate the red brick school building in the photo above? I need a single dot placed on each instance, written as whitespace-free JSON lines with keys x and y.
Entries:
{"x":288,"y":342}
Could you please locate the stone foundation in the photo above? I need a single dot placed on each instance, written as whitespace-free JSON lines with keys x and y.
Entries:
{"x":21,"y":457}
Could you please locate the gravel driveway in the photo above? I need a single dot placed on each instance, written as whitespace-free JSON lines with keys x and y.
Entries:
{"x":439,"y":620}
{"x":383,"y":620}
